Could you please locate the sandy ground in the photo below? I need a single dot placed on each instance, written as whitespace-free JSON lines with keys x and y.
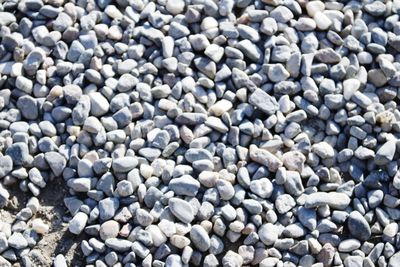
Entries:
{"x":59,"y":239}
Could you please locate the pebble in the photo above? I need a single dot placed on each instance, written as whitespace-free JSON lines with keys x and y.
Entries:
{"x":264,"y":101}
{"x":17,"y":241}
{"x":200,"y":238}
{"x":78,"y":223}
{"x":6,"y":165}
{"x":358,"y":226}
{"x":265,"y":158}
{"x":181,"y":210}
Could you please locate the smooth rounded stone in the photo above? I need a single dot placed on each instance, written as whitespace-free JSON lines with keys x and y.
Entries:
{"x":119,"y":245}
{"x":56,"y":161}
{"x":175,"y":6}
{"x":269,"y":26}
{"x":350,"y":86}
{"x":7,"y":18}
{"x":126,"y":82}
{"x":307,"y":217}
{"x":322,"y":21}
{"x":265,"y":158}
{"x":19,"y":153}
{"x":24,"y":84}
{"x":394,"y":260}
{"x":92,"y":125}
{"x":6,"y":165}
{"x":80,"y":184}
{"x":124,"y":188}
{"x":150,"y":153}
{"x":385,"y":153}
{"x":323,"y":150}
{"x":220,"y":107}
{"x":313,"y":7}
{"x":109,"y":229}
{"x":293,"y":184}
{"x":326,"y":255}
{"x":39,"y":226}
{"x":225,"y":189}
{"x":335,"y":200}
{"x":157,"y":235}
{"x":78,"y":223}
{"x":252,"y":206}
{"x":98,"y":104}
{"x":185,"y":185}
{"x":200,"y":238}
{"x":108,"y":207}
{"x":181,"y":209}
{"x":391,"y":229}
{"x":356,"y":261}
{"x":173,"y":260}
{"x":305,"y":24}
{"x":375,"y":8}
{"x":59,"y":261}
{"x":349,"y":245}
{"x":294,"y":160}
{"x":28,"y":107}
{"x":124,"y":164}
{"x":232,"y":259}
{"x":358,"y":226}
{"x":284,"y":203}
{"x":17,"y":241}
{"x":268,"y":233}
{"x":375,"y":198}
{"x":262,"y":187}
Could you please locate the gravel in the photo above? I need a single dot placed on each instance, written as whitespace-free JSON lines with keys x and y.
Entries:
{"x":202,"y":133}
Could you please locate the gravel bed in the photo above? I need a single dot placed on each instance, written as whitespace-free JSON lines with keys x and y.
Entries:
{"x":199,"y":133}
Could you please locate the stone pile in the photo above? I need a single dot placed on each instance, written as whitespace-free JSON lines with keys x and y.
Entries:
{"x":204,"y":133}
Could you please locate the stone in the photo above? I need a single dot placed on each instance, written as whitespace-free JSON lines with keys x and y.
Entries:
{"x":294,"y":161}
{"x":268,"y":233}
{"x":78,"y":223}
{"x":264,"y":102}
{"x":28,"y":107}
{"x":185,"y":185}
{"x":181,"y":209}
{"x":19,"y":153}
{"x":6,"y":165}
{"x":333,"y":199}
{"x":261,"y":187}
{"x":265,"y":158}
{"x":358,"y":226}
{"x":109,"y":229}
{"x":200,"y":238}
{"x":17,"y":241}
{"x":385,"y":153}
{"x":232,"y":259}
